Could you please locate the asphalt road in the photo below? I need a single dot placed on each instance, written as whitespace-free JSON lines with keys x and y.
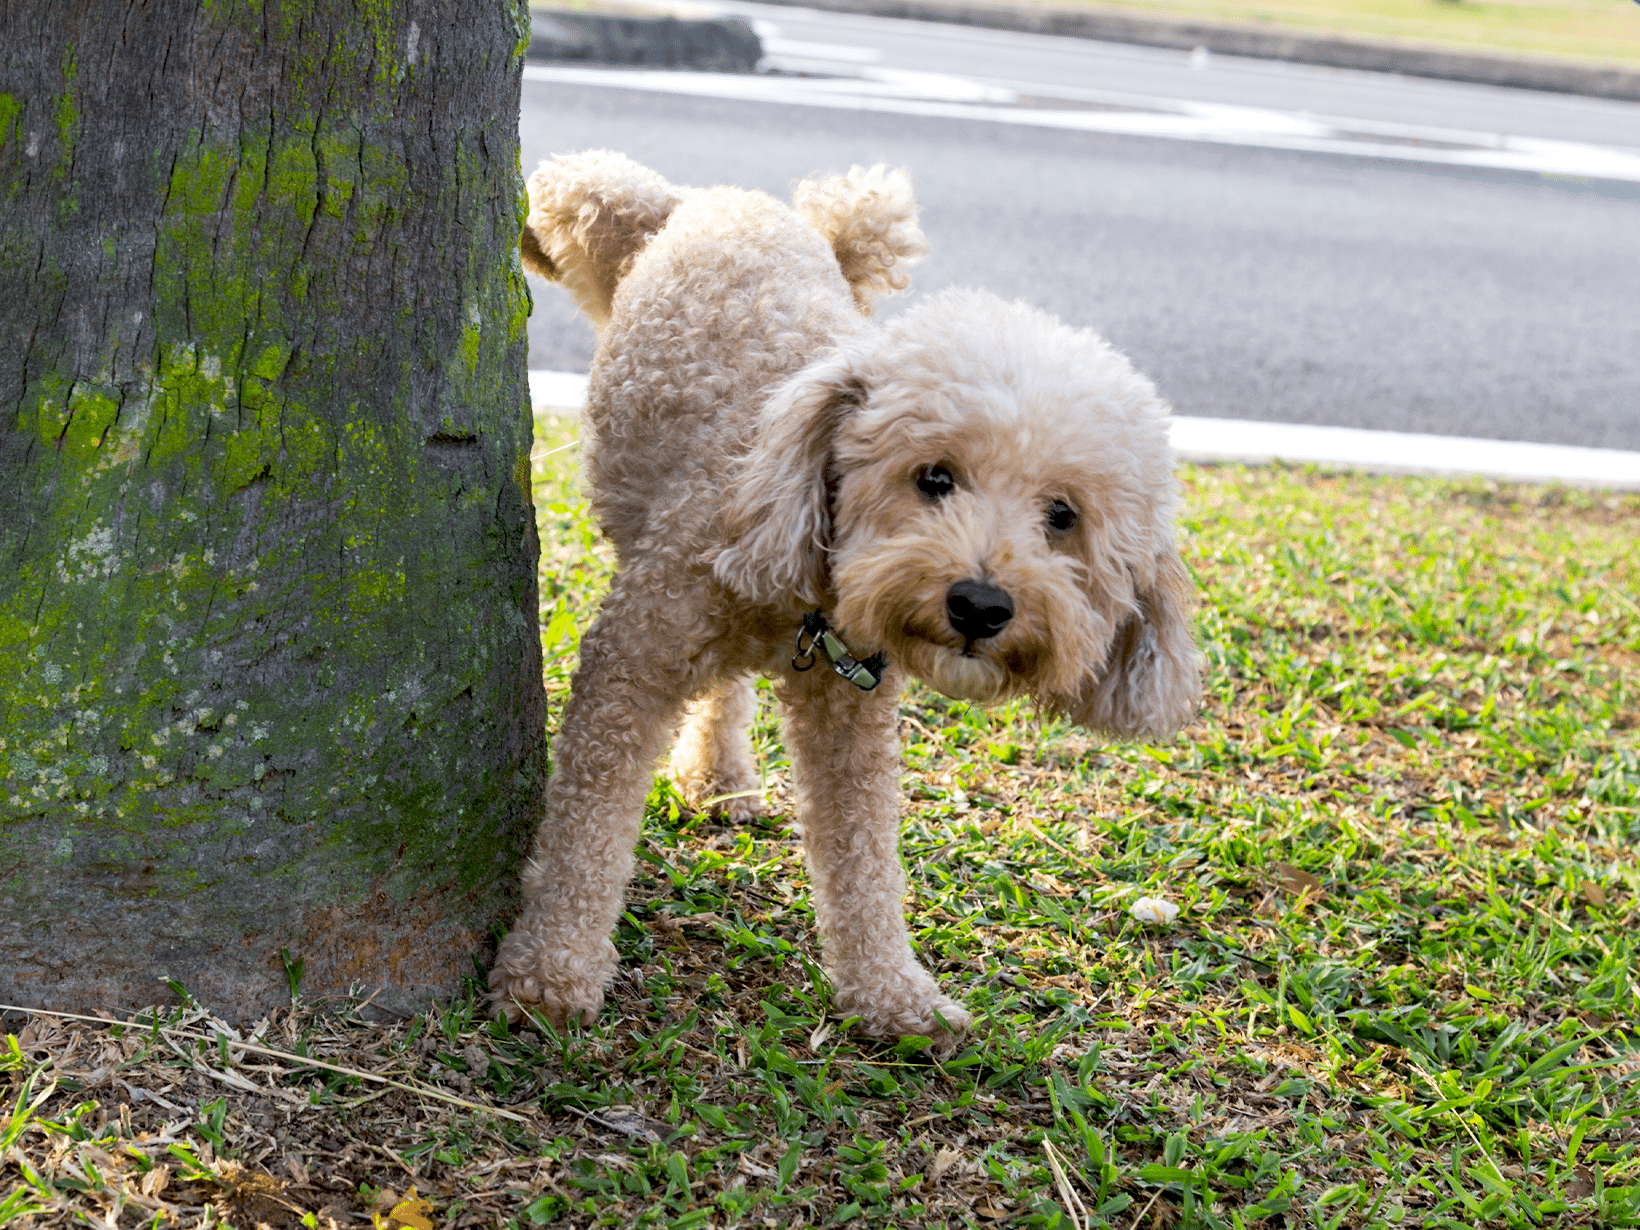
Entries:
{"x":1333,"y":283}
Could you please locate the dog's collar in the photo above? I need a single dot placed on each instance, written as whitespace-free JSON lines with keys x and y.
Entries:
{"x":817,"y":635}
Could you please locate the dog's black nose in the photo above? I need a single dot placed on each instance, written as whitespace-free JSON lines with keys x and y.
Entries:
{"x":977,"y":610}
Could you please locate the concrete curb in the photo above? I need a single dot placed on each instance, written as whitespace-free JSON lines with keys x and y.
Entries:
{"x":1345,"y":448}
{"x":1260,"y":42}
{"x":1388,"y":452}
{"x":725,"y":45}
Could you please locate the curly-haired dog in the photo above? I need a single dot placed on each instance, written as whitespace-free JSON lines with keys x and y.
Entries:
{"x":973,"y":493}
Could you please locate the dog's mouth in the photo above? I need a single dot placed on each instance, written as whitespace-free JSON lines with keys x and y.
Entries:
{"x":921,"y":639}
{"x":988,"y":669}
{"x":986,"y":647}
{"x":963,"y":670}
{"x":943,"y":639}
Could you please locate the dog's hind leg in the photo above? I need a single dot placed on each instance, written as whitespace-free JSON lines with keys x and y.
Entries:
{"x":869,"y":217}
{"x":712,"y":759}
{"x":846,"y":766}
{"x":623,"y":708}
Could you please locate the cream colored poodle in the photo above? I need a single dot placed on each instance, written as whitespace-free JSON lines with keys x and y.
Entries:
{"x":972,"y":493}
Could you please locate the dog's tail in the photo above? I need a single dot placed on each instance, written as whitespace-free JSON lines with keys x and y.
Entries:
{"x":870,"y":219}
{"x":590,"y":214}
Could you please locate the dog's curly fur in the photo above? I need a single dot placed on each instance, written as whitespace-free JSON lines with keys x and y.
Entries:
{"x":756,"y":448}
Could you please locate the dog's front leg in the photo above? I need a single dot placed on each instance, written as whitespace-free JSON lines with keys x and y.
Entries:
{"x":624,"y":704}
{"x":845,"y":753}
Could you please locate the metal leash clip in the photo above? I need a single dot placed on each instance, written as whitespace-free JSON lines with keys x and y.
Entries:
{"x":816,"y":634}
{"x":803,"y":659}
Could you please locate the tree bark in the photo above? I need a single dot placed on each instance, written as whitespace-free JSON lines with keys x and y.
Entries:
{"x":270,"y":674}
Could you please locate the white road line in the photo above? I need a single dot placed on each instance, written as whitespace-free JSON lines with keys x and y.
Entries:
{"x":1352,"y":448}
{"x":558,"y":390}
{"x":940,"y":96}
{"x":831,"y":53}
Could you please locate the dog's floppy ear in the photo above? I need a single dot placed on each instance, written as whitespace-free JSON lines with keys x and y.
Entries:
{"x":1150,"y":684}
{"x":776,"y":521}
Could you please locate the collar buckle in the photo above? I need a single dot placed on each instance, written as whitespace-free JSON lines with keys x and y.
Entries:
{"x":816,"y":635}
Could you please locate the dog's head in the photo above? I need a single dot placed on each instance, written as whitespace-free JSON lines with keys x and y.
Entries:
{"x":986,"y":495}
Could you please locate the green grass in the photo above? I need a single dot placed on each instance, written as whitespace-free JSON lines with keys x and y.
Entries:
{"x":1596,"y":30}
{"x":1602,"y":31}
{"x":1401,"y":991}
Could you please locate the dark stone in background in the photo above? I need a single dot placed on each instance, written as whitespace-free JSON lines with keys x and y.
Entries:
{"x":722,"y":46}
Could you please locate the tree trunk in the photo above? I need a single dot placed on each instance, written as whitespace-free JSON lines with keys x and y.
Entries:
{"x":269,"y":667}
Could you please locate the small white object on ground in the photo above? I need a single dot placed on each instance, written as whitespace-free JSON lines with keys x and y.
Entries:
{"x":1154,"y":910}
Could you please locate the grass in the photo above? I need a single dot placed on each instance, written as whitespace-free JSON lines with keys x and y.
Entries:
{"x":1605,"y":31}
{"x":1601,"y":31}
{"x":1401,"y":990}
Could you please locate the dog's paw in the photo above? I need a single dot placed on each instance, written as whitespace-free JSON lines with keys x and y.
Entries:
{"x":560,"y":1007}
{"x":737,"y":810}
{"x":733,"y":803}
{"x":905,"y":1005}
{"x":563,"y":987}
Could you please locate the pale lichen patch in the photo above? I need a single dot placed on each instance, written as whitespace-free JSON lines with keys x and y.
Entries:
{"x":90,"y":558}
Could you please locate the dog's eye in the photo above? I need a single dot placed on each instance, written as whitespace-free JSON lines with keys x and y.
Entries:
{"x":936,"y":482}
{"x":1061,"y":516}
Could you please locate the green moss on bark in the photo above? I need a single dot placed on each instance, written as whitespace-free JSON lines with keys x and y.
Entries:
{"x":267,"y":641}
{"x":10,"y":111}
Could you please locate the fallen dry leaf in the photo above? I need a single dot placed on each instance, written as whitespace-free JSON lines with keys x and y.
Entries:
{"x":1298,"y":882}
{"x":1581,"y":1185}
{"x":630,"y":1122}
{"x":411,"y":1213}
